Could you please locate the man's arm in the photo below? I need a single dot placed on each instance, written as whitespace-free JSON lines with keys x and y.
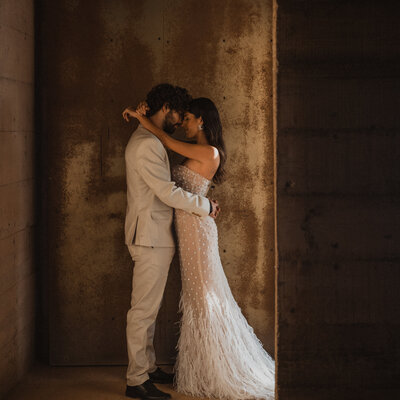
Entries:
{"x":151,"y":167}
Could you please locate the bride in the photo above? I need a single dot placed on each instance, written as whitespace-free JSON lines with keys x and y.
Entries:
{"x":219,"y":354}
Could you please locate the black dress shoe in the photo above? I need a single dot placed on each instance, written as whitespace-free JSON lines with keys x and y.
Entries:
{"x":159,"y":376}
{"x":146,"y":391}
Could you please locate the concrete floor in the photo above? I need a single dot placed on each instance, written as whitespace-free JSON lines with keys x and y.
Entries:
{"x":78,"y":383}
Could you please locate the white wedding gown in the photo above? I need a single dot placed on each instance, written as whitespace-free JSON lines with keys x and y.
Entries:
{"x":219,"y":354}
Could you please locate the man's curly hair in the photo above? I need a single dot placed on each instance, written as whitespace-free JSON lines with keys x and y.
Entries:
{"x":177,"y":98}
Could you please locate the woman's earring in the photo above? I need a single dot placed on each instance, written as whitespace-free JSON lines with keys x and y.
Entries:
{"x":201,"y":127}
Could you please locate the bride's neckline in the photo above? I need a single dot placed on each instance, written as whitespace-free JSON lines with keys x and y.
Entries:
{"x":194,"y":172}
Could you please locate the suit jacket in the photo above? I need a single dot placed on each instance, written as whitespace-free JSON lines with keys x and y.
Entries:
{"x":151,"y":196}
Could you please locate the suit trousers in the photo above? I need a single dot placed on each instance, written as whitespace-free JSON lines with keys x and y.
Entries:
{"x":150,"y":272}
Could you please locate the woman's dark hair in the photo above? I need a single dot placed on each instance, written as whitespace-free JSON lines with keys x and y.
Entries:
{"x":205,"y":108}
{"x":176,"y":97}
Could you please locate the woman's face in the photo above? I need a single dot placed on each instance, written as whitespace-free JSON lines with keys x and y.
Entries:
{"x":191,"y":125}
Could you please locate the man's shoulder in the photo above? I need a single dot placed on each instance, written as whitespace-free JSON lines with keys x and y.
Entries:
{"x":142,"y":140}
{"x":141,"y":134}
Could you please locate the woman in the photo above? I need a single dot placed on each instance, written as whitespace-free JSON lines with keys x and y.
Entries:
{"x":218,"y":353}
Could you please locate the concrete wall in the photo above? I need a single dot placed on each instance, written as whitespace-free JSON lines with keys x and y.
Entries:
{"x":17,"y":191}
{"x":98,"y":59}
{"x":338,"y":185}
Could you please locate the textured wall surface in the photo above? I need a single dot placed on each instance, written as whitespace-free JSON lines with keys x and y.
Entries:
{"x":17,"y":191}
{"x":96,"y":60}
{"x":338,"y":187}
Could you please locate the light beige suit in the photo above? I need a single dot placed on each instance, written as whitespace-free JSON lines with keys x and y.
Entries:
{"x":151,"y":197}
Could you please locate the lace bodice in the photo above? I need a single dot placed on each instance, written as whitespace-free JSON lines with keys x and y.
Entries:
{"x":190,"y":180}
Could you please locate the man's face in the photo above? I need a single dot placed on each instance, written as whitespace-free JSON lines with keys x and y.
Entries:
{"x":172,"y":121}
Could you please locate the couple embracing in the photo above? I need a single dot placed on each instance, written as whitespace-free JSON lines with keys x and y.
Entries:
{"x":219,"y":354}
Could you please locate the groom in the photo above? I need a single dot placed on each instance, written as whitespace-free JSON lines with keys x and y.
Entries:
{"x":151,"y":197}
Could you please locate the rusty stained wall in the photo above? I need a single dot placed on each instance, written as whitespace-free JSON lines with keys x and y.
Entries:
{"x":97,"y":58}
{"x":338,"y":186}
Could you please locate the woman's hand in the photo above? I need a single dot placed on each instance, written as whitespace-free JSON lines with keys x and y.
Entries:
{"x":142,"y":108}
{"x":128,"y":112}
{"x":140,"y":111}
{"x":140,"y":114}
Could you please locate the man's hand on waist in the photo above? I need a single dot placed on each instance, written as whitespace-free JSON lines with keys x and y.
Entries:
{"x":214,"y":208}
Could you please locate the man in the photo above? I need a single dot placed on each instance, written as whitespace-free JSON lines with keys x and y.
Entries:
{"x":151,"y":197}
